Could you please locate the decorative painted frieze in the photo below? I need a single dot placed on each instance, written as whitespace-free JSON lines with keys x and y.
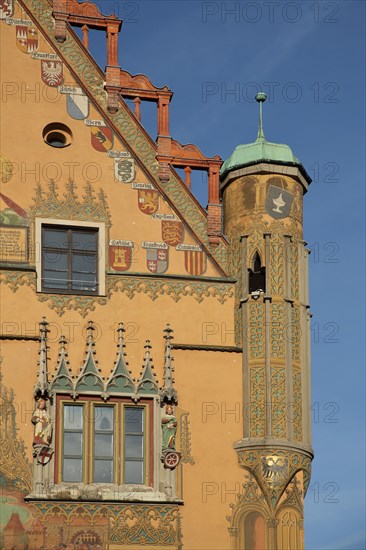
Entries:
{"x":49,"y":204}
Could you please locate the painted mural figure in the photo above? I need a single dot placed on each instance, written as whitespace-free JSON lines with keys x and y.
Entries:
{"x":169,"y":427}
{"x":42,"y":424}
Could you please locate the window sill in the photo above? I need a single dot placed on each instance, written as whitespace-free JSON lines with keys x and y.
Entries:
{"x":100,"y":492}
{"x":71,"y":293}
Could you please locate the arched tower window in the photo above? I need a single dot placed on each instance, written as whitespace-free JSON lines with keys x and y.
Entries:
{"x":257,"y":275}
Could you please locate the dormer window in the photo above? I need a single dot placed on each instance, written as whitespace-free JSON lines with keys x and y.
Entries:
{"x":257,"y":275}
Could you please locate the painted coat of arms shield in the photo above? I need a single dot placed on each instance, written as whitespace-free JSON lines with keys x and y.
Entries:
{"x":120,"y":257}
{"x":124,"y":169}
{"x":278,"y":202}
{"x":6,"y":8}
{"x":172,"y":232}
{"x":77,"y":105}
{"x":43,"y":454}
{"x":148,"y":201}
{"x":274,"y":469}
{"x":101,"y":138}
{"x":52,"y":73}
{"x":195,"y":262}
{"x":157,"y":260}
{"x":27,"y":38}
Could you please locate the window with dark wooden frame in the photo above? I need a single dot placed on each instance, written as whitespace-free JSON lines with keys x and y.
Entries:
{"x":69,"y":259}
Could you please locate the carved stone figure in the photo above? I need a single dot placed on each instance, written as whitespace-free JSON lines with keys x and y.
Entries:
{"x":169,"y":427}
{"x":42,"y":424}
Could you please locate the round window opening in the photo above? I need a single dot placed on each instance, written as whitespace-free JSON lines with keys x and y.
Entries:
{"x":57,"y":135}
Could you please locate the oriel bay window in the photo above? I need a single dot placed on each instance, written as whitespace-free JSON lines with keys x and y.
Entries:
{"x":103,"y":443}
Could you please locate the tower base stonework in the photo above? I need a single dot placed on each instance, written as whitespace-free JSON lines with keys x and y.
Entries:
{"x":269,"y":514}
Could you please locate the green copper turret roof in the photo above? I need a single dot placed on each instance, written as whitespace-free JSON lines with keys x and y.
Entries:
{"x":261,"y":150}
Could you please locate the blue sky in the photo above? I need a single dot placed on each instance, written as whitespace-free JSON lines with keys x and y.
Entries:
{"x":309,"y":57}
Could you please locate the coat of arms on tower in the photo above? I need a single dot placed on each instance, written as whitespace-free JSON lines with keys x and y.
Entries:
{"x":278,"y":202}
{"x":148,"y":200}
{"x":157,"y":260}
{"x":101,"y":138}
{"x":27,"y":38}
{"x":6,"y":8}
{"x":172,"y":232}
{"x":274,"y":470}
{"x":120,"y":255}
{"x":52,"y":72}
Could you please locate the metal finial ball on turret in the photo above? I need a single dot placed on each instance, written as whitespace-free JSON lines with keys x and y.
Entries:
{"x":260,"y":97}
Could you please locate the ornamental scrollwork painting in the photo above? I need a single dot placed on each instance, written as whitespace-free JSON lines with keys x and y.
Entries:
{"x":105,"y":524}
{"x":277,"y":264}
{"x":296,"y":334}
{"x":81,"y":304}
{"x":15,"y":467}
{"x":130,"y":287}
{"x":256,"y":331}
{"x":257,"y":416}
{"x":297,"y":403}
{"x":144,"y":524}
{"x":277,"y":335}
{"x":185,"y":439}
{"x":278,"y":401}
{"x":175,"y":289}
{"x":295,"y":270}
{"x":49,"y":204}
{"x":15,"y":279}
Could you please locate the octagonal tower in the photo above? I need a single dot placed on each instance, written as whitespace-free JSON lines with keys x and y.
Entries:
{"x":262,"y":186}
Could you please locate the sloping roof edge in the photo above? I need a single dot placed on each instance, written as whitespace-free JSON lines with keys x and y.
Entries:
{"x":128,"y":129}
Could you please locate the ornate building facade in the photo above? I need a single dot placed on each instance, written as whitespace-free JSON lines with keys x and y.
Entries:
{"x":111,"y":273}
